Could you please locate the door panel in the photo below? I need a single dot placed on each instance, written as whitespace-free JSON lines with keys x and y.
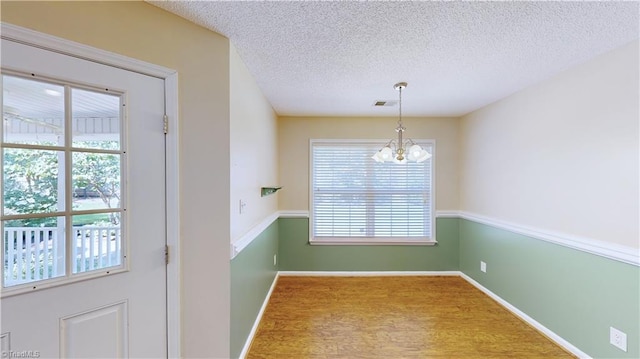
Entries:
{"x":117,"y":314}
{"x":109,"y":323}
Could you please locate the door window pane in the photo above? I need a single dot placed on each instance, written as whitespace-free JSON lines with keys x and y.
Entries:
{"x":33,"y":181}
{"x":95,"y":120}
{"x":34,"y":249}
{"x":33,"y":111}
{"x":96,"y":180}
{"x":97,"y":241}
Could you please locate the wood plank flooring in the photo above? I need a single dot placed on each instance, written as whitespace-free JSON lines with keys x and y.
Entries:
{"x":391,"y":317}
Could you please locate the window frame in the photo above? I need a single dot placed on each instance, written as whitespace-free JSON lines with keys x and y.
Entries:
{"x":68,"y":213}
{"x":428,"y":241}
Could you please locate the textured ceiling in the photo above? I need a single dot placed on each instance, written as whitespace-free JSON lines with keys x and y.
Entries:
{"x":337,"y":58}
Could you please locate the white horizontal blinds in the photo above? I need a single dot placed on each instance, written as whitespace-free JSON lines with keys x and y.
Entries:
{"x":355,"y":196}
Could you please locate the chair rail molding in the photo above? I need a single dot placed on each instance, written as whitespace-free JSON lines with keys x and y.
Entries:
{"x":613,"y":251}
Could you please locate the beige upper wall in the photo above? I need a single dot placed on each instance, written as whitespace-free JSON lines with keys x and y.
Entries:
{"x":562,"y":155}
{"x":254,"y":158}
{"x":293,"y":140}
{"x":201,"y":57}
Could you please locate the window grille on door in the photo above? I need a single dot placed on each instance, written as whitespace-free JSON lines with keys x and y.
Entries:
{"x":62,"y":190}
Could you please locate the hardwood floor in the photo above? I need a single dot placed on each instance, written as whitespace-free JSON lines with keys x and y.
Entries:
{"x":391,"y":317}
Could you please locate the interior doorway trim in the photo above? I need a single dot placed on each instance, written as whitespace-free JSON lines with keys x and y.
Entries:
{"x":170,"y":77}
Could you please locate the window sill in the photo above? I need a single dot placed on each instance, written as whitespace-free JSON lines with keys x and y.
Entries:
{"x":336,"y":241}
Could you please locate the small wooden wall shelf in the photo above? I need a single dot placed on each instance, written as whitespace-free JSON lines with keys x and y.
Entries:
{"x":266,"y":191}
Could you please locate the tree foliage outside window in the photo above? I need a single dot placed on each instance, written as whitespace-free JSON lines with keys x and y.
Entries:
{"x":31,"y":182}
{"x":30,"y":185}
{"x":99,"y":173}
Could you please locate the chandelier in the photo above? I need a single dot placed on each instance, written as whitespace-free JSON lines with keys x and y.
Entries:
{"x":399,"y":151}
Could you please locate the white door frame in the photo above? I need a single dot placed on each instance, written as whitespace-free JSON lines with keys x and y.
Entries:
{"x":67,"y":47}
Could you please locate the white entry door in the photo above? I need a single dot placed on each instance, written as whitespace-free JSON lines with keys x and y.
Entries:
{"x":83,"y":217}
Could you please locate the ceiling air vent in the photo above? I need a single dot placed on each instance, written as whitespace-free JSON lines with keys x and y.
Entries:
{"x":382,"y":103}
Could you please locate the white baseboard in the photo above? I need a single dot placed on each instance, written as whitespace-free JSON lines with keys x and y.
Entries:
{"x":546,"y":331}
{"x":366,"y":274}
{"x":256,"y":323}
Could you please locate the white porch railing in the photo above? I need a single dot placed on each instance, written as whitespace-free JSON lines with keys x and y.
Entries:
{"x":36,"y":253}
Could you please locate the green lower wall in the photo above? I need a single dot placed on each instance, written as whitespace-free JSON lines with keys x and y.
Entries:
{"x":252,"y":272}
{"x":296,"y":254}
{"x":575,"y":294}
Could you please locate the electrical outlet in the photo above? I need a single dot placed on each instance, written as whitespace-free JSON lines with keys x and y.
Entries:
{"x":242,"y":205}
{"x":618,"y":339}
{"x":483,"y":266}
{"x":275,"y":259}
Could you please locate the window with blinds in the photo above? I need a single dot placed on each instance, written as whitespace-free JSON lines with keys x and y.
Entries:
{"x":355,"y":199}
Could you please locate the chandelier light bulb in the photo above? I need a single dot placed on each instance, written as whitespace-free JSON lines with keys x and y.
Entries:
{"x":415,"y":151}
{"x":386,"y":153}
